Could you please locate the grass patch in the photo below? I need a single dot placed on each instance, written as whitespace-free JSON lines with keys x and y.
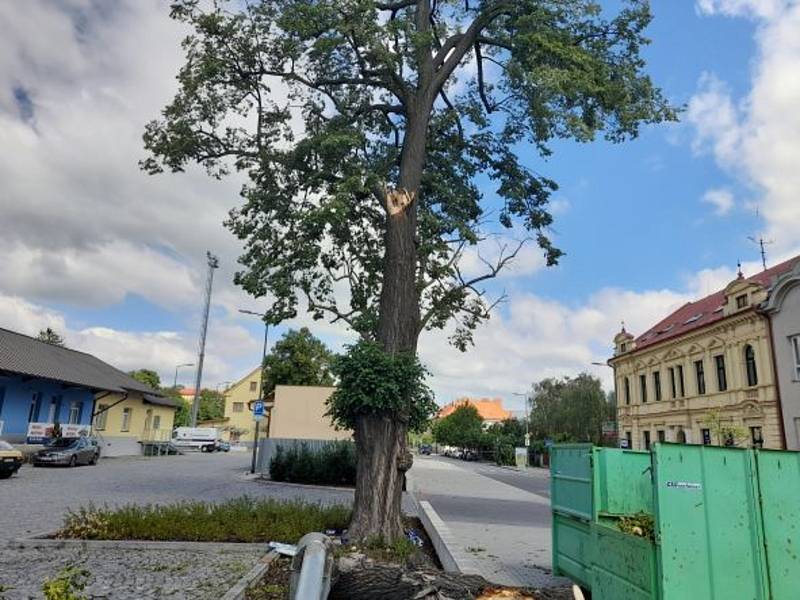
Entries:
{"x":240,"y":520}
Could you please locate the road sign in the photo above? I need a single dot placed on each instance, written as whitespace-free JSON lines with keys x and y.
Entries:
{"x":527,"y":439}
{"x":258,"y":410}
{"x":549,"y":443}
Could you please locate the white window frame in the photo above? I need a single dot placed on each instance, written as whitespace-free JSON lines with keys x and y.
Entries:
{"x":795,"y":342}
{"x":74,"y":412}
{"x":237,"y":407}
{"x":156,"y":422}
{"x":127,"y":415}
{"x":101,"y":417}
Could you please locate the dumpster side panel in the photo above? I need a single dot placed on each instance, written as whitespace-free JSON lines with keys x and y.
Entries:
{"x":707,"y":520}
{"x":571,"y":549}
{"x":571,"y":480}
{"x":623,"y":482}
{"x":623,"y":567}
{"x":779,"y":483}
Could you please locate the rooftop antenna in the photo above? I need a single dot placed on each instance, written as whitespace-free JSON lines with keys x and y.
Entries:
{"x":762,"y":243}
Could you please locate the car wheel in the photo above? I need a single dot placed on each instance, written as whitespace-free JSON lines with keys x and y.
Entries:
{"x":73,"y":461}
{"x":93,"y":460}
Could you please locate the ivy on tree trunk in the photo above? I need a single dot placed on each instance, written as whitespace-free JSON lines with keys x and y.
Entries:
{"x":362,"y":127}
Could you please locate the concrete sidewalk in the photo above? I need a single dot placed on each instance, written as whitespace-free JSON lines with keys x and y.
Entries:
{"x":504,"y":530}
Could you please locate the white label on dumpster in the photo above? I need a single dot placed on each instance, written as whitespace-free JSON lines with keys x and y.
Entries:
{"x":685,"y":485}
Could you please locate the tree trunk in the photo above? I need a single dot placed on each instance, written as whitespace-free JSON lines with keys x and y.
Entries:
{"x":381,"y":441}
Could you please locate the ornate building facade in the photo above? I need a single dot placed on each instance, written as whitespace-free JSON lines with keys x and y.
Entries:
{"x":705,"y":374}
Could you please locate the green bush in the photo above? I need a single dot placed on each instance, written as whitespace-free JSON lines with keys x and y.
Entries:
{"x":332,"y":464}
{"x":240,"y":520}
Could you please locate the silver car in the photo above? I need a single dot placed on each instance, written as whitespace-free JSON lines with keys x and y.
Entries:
{"x":68,"y":452}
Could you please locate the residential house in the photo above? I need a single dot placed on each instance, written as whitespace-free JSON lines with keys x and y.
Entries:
{"x":237,"y":423}
{"x":43,"y":384}
{"x":490,"y":409}
{"x":783,"y":308}
{"x":124,"y":421}
{"x":703,"y":371}
{"x":298,"y":412}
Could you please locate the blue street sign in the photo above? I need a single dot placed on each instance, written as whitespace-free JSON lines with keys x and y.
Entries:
{"x":258,"y":409}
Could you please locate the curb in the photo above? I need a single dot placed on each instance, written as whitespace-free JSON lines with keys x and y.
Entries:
{"x":239,"y":590}
{"x":453,"y":557}
{"x":45,"y":541}
{"x":307,"y":486}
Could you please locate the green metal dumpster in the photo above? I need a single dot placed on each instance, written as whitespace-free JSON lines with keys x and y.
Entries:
{"x":726,"y":522}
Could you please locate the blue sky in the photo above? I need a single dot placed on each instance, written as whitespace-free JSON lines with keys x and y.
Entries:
{"x":114,"y":258}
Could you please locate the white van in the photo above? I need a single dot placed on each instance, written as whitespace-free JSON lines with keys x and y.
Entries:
{"x":201,"y":438}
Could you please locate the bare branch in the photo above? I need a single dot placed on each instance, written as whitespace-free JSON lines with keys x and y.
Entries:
{"x":481,"y":82}
{"x":395,"y":6}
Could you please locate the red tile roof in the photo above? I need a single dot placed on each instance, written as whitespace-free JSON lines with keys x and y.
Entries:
{"x":490,"y":409}
{"x":704,"y":312}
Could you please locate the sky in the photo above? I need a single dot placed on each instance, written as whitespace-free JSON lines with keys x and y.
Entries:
{"x":114,"y":259}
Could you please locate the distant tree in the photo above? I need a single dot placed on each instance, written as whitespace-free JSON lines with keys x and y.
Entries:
{"x":723,"y":430}
{"x":147,"y":377}
{"x":570,"y":409}
{"x":50,"y":336}
{"x":212,"y":406}
{"x":462,"y":428}
{"x":183,"y":411}
{"x":298,"y":358}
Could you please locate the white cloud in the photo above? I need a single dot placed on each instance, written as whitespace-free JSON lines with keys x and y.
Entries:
{"x":757,"y":138}
{"x":720,"y":199}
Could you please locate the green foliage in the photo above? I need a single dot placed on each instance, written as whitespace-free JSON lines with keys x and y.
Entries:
{"x":503,"y":438}
{"x":724,"y":430}
{"x":333,"y":464}
{"x":147,"y":377}
{"x":641,"y":525}
{"x":374,"y":382}
{"x":358,"y":75}
{"x":183,"y":411}
{"x":239,"y":520}
{"x":298,"y":358}
{"x":570,"y":409}
{"x":67,"y":585}
{"x":462,"y":428}
{"x":50,"y":336}
{"x":212,"y":406}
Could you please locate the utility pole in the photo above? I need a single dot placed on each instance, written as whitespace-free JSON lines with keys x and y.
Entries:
{"x":761,"y":243}
{"x":213,"y":263}
{"x":262,"y":392}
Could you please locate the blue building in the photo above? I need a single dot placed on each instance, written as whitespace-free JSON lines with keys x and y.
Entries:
{"x":42,"y":384}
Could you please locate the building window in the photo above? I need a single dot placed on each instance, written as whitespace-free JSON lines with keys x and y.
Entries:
{"x":756,"y":437}
{"x":706,"y":436}
{"x":238,"y":407}
{"x":681,"y":436}
{"x":75,"y":410}
{"x":126,"y":419}
{"x":33,"y":411}
{"x":796,"y":348}
{"x":643,"y":387}
{"x":741,"y":301}
{"x":681,"y":386}
{"x":661,"y":435}
{"x":623,"y":347}
{"x":646,"y":440}
{"x":750,"y":362}
{"x":722,"y":378}
{"x":657,"y":385}
{"x":100,"y":417}
{"x":672,"y":381}
{"x":629,"y":438}
{"x":253,"y":386}
{"x":157,"y":422}
{"x":701,"y":377}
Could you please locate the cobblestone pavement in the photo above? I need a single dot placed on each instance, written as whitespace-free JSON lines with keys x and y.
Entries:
{"x":503,"y":528}
{"x":35,"y":500}
{"x":125,"y":574}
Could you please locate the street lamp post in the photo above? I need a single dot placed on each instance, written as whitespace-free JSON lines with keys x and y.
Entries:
{"x":261,"y":393}
{"x":175,"y":382}
{"x":527,"y":397}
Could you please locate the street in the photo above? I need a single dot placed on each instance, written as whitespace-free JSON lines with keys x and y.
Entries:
{"x":499,"y":516}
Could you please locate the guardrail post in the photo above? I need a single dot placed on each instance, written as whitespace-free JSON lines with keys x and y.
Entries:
{"x":312,"y":568}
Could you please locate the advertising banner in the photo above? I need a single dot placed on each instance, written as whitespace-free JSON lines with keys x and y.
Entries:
{"x":40,"y":433}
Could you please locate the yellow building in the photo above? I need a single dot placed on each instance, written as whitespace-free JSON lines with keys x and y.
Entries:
{"x":123,"y":421}
{"x":298,"y":412}
{"x":238,"y":424}
{"x":704,"y":372}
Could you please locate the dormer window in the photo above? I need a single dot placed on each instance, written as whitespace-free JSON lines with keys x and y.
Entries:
{"x":741,"y":301}
{"x":623,"y":347}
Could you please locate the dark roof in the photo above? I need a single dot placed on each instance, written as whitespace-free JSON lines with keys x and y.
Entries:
{"x":704,"y":312}
{"x":160,"y":400}
{"x":24,"y":355}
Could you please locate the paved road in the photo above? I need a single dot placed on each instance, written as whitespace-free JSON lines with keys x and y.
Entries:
{"x":495,"y":517}
{"x":35,"y":500}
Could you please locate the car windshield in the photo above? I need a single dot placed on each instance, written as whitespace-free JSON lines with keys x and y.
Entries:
{"x":63,"y":443}
{"x":5,"y":446}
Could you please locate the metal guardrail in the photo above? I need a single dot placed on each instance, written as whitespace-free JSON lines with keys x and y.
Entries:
{"x":312,"y":568}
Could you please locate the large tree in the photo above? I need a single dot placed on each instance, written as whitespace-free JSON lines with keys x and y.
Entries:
{"x":298,"y":358}
{"x":147,"y":377}
{"x":363,"y":128}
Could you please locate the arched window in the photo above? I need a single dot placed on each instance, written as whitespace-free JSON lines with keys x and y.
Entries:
{"x":750,"y":362}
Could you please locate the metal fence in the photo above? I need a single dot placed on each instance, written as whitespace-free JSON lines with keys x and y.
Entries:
{"x":269,"y":446}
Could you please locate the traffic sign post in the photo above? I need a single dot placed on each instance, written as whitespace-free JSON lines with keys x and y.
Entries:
{"x":258,"y":414}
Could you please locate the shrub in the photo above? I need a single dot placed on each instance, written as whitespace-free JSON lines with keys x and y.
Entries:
{"x":240,"y":520}
{"x":332,"y":464}
{"x":67,"y":585}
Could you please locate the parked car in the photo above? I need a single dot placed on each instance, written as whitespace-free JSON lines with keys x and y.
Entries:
{"x":222,"y":446}
{"x":10,"y":460}
{"x":425,"y":449}
{"x":199,"y":438}
{"x":68,"y":452}
{"x":467,"y":454}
